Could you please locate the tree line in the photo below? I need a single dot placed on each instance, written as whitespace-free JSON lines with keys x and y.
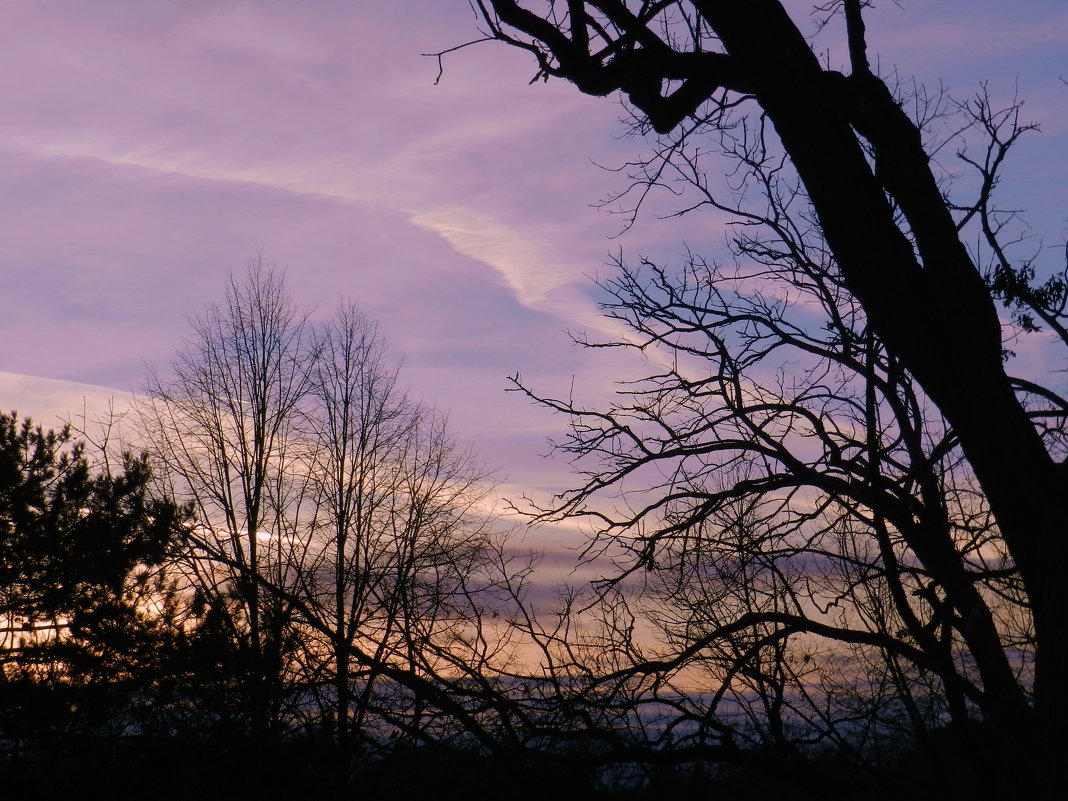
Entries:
{"x":300,"y":582}
{"x":300,"y":553}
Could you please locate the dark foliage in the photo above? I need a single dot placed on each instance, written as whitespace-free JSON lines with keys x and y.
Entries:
{"x":88,"y":625}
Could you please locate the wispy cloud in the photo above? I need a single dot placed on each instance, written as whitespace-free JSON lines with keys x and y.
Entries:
{"x":532,"y":267}
{"x":52,"y":402}
{"x":527,"y":266}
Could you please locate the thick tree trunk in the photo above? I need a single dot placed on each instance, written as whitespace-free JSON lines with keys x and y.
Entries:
{"x":928,"y":304}
{"x":920,"y":290}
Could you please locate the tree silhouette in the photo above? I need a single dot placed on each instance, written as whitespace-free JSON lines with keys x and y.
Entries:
{"x":221,"y":430}
{"x":401,"y":552}
{"x":343,"y":540}
{"x":81,"y":593}
{"x":853,"y":214}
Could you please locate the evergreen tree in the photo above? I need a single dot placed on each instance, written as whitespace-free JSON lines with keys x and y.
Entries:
{"x":85,"y":612}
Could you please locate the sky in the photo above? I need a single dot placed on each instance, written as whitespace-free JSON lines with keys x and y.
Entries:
{"x":150,"y":147}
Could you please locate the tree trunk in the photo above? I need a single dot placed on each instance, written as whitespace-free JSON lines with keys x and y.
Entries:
{"x":931,"y":308}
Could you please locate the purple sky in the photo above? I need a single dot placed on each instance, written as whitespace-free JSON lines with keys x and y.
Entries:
{"x":147,"y":147}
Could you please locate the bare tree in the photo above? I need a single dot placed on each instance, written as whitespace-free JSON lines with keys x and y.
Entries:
{"x":358,"y":423}
{"x":897,"y":430}
{"x":341,"y":532}
{"x":222,"y":426}
{"x":782,"y":490}
{"x":400,"y":537}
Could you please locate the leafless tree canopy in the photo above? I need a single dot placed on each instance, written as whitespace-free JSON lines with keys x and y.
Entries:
{"x":341,"y":533}
{"x":832,"y":460}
